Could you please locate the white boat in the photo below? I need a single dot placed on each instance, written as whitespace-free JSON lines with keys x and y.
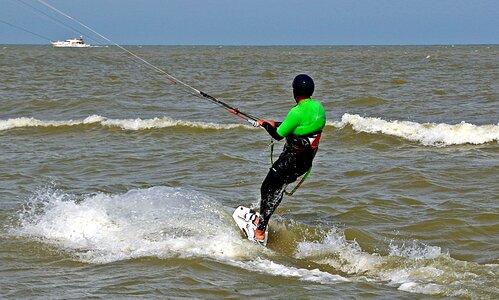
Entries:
{"x":74,"y":42}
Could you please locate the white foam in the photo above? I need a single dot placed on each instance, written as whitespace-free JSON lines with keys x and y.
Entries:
{"x":32,"y":122}
{"x":414,"y":287}
{"x":416,"y":251}
{"x":125,"y":124}
{"x":159,"y":222}
{"x":168,"y":222}
{"x":335,"y":250}
{"x":429,"y":134}
{"x":413,"y":267}
{"x":273,"y":268}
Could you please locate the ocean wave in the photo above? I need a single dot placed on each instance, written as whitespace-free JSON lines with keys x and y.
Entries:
{"x":413,"y":267}
{"x":125,"y":124}
{"x":167,"y":222}
{"x":160,"y":222}
{"x":428,"y":134}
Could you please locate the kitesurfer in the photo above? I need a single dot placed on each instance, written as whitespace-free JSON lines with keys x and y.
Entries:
{"x":302,"y":129}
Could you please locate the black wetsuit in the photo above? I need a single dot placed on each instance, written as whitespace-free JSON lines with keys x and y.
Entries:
{"x":294,"y":161}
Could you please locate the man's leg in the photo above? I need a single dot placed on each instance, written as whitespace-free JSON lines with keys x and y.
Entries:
{"x":272,"y":191}
{"x":288,"y":167}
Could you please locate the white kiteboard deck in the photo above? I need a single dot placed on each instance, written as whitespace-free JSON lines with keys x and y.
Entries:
{"x":244,"y":218}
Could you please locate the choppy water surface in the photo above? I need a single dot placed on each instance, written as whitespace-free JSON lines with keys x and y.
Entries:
{"x":116,"y":183}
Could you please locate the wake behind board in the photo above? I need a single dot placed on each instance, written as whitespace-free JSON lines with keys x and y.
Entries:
{"x":244,"y":218}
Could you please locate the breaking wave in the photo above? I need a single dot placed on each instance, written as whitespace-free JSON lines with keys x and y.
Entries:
{"x":411,"y":266}
{"x":428,"y":134}
{"x":125,"y":124}
{"x":160,"y":222}
{"x":166,"y":222}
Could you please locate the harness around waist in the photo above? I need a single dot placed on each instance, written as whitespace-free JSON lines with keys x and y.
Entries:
{"x":304,"y":142}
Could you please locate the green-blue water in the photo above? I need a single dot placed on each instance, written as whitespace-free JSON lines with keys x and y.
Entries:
{"x":116,"y":183}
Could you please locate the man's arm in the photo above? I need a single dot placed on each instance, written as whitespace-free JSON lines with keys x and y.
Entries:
{"x":271,"y":128}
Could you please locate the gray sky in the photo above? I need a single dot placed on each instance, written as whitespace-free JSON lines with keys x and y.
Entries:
{"x":256,"y":22}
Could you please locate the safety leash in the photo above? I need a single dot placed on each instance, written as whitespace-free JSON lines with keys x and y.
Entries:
{"x":299,"y":183}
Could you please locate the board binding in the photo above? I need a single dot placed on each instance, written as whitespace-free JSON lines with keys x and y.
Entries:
{"x":245,"y":218}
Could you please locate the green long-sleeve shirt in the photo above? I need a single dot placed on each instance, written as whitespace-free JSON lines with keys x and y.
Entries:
{"x":307,"y":117}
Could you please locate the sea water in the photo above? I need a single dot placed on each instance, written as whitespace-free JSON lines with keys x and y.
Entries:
{"x":117,"y":183}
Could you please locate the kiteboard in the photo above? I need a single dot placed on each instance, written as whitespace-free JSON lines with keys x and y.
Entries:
{"x":245,"y":218}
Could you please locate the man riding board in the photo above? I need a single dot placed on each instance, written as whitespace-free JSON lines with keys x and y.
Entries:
{"x":302,"y":129}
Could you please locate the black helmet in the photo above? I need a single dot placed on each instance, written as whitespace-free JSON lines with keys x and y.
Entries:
{"x":303,"y":85}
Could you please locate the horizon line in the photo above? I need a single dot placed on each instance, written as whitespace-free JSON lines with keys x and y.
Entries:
{"x":270,"y":45}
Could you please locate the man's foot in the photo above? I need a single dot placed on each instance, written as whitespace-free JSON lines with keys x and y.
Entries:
{"x":260,"y":235}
